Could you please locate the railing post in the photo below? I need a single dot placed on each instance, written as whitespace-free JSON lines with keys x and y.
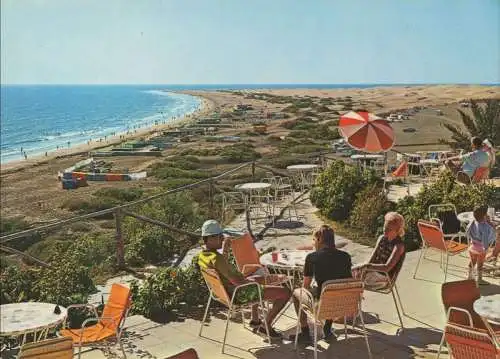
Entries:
{"x":120,"y":246}
{"x":253,"y":170}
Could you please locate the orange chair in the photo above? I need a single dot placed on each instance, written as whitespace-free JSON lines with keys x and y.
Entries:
{"x":458,"y":300}
{"x":219,"y":293}
{"x":433,"y":238}
{"x":186,"y":354}
{"x":469,"y":343}
{"x":248,"y":260}
{"x":57,"y":348}
{"x":108,"y":327}
{"x":481,"y":174}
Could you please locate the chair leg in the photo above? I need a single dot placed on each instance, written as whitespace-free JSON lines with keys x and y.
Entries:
{"x":446,"y":267}
{"x":422,"y":252}
{"x":122,"y":349}
{"x":365,"y":334}
{"x":297,"y":327}
{"x":399,"y":299}
{"x":243,"y":318}
{"x":315,"y":340}
{"x":229,"y":313}
{"x":79,"y":351}
{"x":345,"y":326}
{"x":205,"y":315}
{"x":397,"y":309}
{"x":440,"y":346}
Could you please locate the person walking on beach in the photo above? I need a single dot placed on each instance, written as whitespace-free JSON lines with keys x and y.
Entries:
{"x":25,"y":156}
{"x":69,"y":143}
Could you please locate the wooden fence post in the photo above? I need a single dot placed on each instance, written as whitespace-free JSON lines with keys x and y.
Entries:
{"x":253,"y":170}
{"x":120,"y":246}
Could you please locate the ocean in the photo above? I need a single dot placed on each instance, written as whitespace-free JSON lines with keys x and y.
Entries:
{"x":41,"y":118}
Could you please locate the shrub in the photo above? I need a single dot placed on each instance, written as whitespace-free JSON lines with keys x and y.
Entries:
{"x":367,"y":215}
{"x":167,"y":172}
{"x":93,"y":204}
{"x":16,"y":285}
{"x":167,"y":290}
{"x":120,"y":194}
{"x":239,"y":152}
{"x":148,"y":243}
{"x":16,"y":224}
{"x":336,"y":189}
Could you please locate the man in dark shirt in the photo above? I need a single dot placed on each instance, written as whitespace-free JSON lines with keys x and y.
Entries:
{"x":326,"y":263}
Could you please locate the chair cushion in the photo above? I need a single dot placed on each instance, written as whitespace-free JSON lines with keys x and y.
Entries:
{"x":91,"y":334}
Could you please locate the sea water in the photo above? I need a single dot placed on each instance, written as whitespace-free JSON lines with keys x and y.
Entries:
{"x":39,"y":119}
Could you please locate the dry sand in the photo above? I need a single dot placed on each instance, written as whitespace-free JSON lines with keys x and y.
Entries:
{"x":30,"y":188}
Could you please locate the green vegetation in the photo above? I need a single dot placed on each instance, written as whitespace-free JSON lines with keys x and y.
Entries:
{"x":239,"y":153}
{"x":484,"y":123}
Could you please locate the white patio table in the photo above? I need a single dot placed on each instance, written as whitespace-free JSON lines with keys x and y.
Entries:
{"x":467,"y":217}
{"x":30,"y":317}
{"x":249,"y":189}
{"x":488,"y":307}
{"x":305,"y":178}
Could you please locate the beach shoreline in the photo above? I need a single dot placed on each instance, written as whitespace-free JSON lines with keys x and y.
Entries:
{"x":206,"y":106}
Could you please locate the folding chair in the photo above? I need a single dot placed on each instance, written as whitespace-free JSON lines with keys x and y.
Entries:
{"x":433,"y":238}
{"x":339,"y":299}
{"x":218,"y":293}
{"x":108,"y":327}
{"x":469,"y":343}
{"x":389,"y":288}
{"x":481,"y":175}
{"x":444,"y":210}
{"x":233,"y":201}
{"x":58,"y":348}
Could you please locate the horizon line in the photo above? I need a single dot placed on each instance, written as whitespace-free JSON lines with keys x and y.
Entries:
{"x":259,"y":84}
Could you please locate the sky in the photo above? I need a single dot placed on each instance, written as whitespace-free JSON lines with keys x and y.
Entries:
{"x":249,"y":41}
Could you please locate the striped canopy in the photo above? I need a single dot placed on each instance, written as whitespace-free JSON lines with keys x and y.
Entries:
{"x":366,"y":132}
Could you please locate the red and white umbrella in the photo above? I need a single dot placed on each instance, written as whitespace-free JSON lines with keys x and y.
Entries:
{"x":366,"y":131}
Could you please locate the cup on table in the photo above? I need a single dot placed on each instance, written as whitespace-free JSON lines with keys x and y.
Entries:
{"x":274,"y":256}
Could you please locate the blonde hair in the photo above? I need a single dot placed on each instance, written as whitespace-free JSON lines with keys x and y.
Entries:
{"x":392,"y":221}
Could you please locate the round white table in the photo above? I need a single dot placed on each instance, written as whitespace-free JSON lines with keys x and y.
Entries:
{"x":252,"y":186}
{"x":467,"y":217}
{"x":367,"y":157}
{"x":29,"y":317}
{"x":488,"y":307}
{"x":430,"y":161}
{"x":305,"y":167}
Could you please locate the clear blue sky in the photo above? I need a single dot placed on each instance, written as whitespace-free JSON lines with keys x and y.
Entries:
{"x":250,"y":41}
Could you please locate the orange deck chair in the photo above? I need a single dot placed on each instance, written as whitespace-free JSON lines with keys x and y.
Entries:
{"x":57,"y":348}
{"x":248,"y":260}
{"x":469,"y":343}
{"x":186,"y":354}
{"x":433,"y":238}
{"x":108,"y":327}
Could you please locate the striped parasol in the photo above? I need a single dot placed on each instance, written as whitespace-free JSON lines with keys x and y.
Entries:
{"x":366,"y":131}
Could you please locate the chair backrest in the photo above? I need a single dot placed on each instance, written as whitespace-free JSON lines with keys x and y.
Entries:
{"x":461,"y":294}
{"x":480,"y":174}
{"x":116,"y":307}
{"x":434,"y":209}
{"x":215,"y":285}
{"x":447,"y":215}
{"x":58,"y":348}
{"x":468,"y":343}
{"x":340,"y":298}
{"x":432,"y":235}
{"x":245,"y":253}
{"x":186,"y":354}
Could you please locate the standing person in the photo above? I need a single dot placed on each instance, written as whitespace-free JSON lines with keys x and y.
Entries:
{"x":471,"y":161}
{"x":388,"y":254}
{"x":481,"y":235}
{"x":490,"y":150}
{"x":210,"y":257}
{"x":325,"y":264}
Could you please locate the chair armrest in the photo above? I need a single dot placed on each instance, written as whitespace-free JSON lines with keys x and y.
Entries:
{"x":253,"y":266}
{"x":469,"y":316}
{"x":97,"y":320}
{"x":74,"y":306}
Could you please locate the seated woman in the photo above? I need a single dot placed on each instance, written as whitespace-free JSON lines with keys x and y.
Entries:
{"x":388,"y":255}
{"x":471,"y":161}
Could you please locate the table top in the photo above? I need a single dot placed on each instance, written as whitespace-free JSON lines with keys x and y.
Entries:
{"x":488,"y":307}
{"x":367,"y":157}
{"x":302,"y":167}
{"x":467,"y":217}
{"x":252,"y":186}
{"x":429,"y":161}
{"x":19,"y":318}
{"x":290,"y":259}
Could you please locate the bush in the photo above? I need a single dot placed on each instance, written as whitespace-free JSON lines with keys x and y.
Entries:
{"x":367,"y":215}
{"x":148,"y":243}
{"x":93,"y":204}
{"x":16,"y":285}
{"x":336,"y":189}
{"x":120,"y":194}
{"x":167,"y":290}
{"x":444,"y":190}
{"x":239,"y":152}
{"x":167,"y":172}
{"x":16,"y":224}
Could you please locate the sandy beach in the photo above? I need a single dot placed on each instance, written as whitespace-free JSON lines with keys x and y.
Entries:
{"x":34,"y":181}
